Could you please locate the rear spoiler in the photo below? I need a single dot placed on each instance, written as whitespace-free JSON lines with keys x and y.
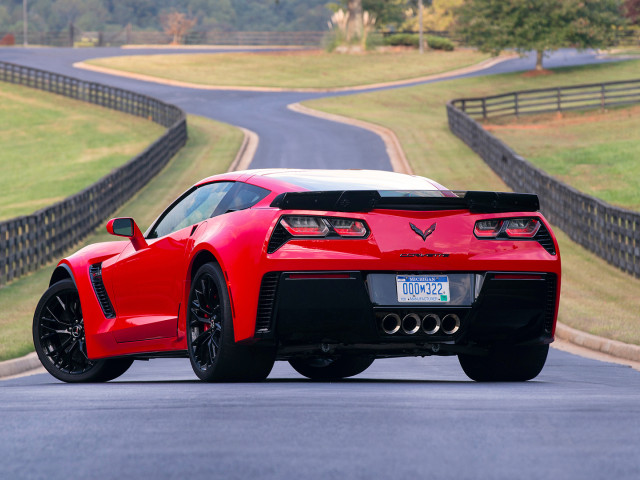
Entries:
{"x":367,"y":200}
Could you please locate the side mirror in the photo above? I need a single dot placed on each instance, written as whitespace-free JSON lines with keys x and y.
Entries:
{"x":126,"y":227}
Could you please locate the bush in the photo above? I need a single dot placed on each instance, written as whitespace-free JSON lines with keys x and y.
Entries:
{"x":439,"y":43}
{"x":374,"y":40}
{"x":402,"y":39}
{"x":413,"y":40}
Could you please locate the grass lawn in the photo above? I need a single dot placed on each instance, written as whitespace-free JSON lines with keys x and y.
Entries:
{"x":609,"y":307}
{"x":306,"y":69}
{"x":53,"y":146}
{"x":594,"y":151}
{"x":210,"y":149}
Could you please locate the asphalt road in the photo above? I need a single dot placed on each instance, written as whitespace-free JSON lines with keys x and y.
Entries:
{"x":402,"y":418}
{"x":287,"y":139}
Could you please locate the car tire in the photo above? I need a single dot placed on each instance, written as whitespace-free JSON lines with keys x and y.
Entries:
{"x":515,"y":364}
{"x":331,"y":368}
{"x":59,"y":340}
{"x":214,"y":355}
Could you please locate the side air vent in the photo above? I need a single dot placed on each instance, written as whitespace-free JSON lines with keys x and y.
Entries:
{"x":95,"y":273}
{"x":266,"y":302}
{"x":544,"y":238}
{"x":550,"y":307}
{"x":279,"y":237}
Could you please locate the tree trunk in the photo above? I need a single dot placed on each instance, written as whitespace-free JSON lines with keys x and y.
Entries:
{"x":539,"y":57}
{"x":354,"y":21}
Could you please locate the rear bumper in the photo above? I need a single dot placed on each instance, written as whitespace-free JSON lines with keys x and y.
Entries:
{"x":346,"y":311}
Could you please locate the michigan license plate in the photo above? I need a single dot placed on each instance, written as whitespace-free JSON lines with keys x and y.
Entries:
{"x":423,"y":288}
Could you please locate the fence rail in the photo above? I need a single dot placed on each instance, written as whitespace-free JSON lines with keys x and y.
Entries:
{"x":30,"y":241}
{"x":612,"y":233}
{"x":560,"y":99}
{"x":127,"y":36}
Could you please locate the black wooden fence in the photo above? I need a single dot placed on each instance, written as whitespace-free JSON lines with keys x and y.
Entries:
{"x":30,"y":241}
{"x":560,"y":99}
{"x":611,"y":232}
{"x":127,"y":36}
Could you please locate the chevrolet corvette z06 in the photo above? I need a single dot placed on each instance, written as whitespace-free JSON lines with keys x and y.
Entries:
{"x":326,"y":269}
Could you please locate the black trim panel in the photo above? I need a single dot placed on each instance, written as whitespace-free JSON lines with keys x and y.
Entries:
{"x":367,"y":200}
{"x":95,"y":273}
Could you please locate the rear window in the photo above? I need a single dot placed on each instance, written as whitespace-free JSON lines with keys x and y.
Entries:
{"x":367,"y":180}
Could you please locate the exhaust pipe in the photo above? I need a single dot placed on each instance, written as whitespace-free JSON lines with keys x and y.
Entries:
{"x":411,"y":324}
{"x":450,"y":324}
{"x":391,"y":323}
{"x":431,"y":323}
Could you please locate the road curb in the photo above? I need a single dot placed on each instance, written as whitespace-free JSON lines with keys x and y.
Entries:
{"x":16,"y":366}
{"x":246,"y":152}
{"x":615,"y":348}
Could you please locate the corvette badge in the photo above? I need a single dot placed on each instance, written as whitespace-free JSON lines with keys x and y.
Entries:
{"x":424,"y":234}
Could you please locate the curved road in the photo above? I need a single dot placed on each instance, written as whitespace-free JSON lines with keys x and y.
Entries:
{"x":402,"y":418}
{"x":287,"y":139}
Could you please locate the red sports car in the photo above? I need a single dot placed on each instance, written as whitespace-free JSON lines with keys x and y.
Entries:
{"x":326,"y":269}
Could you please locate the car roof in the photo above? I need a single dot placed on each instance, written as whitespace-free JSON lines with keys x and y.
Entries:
{"x":324,"y":180}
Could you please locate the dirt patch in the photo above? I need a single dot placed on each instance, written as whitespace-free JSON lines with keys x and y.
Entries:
{"x":537,"y":73}
{"x":288,"y":53}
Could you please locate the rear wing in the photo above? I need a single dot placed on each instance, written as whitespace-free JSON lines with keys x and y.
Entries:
{"x":367,"y":200}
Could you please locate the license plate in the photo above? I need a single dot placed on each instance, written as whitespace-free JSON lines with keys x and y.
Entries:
{"x":422,"y":288}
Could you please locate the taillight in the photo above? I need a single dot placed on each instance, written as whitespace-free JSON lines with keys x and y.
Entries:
{"x":507,"y":228}
{"x":348,"y":228}
{"x":300,"y":226}
{"x":522,"y":227}
{"x":487,"y":228}
{"x":330,"y":227}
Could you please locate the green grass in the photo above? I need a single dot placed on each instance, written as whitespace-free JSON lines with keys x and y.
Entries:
{"x":596,"y":152}
{"x":305,"y":69}
{"x":210,"y":149}
{"x":608,"y":306}
{"x":53,"y":146}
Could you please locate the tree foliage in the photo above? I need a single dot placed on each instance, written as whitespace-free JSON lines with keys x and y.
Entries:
{"x":540,"y":25}
{"x":440,"y":15}
{"x":112,"y":15}
{"x":632,"y":11}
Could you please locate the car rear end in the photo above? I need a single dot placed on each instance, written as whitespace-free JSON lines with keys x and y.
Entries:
{"x":398,"y":275}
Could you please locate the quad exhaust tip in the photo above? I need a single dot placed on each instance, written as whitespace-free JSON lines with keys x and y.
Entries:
{"x":411,"y":324}
{"x":391,"y":323}
{"x":431,"y":323}
{"x":450,"y":324}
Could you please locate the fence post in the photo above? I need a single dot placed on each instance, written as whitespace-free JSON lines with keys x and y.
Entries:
{"x":515,"y":100}
{"x":484,"y":108}
{"x":558,"y":101}
{"x":602,"y":97}
{"x":71,"y":34}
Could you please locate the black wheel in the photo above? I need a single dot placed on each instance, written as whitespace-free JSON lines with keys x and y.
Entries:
{"x":58,"y":336}
{"x":516,"y":364}
{"x":214,"y":355}
{"x":331,"y":368}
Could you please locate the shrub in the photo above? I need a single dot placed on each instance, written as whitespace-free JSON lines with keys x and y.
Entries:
{"x":439,"y":43}
{"x":402,"y":39}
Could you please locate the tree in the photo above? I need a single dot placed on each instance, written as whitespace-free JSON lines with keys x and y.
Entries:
{"x":176,"y":24}
{"x":539,"y":25}
{"x":354,"y":19}
{"x":632,"y":11}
